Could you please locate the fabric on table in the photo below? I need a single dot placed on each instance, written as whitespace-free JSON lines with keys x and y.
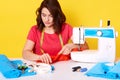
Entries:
{"x":9,"y":68}
{"x":104,"y":71}
{"x":115,"y":70}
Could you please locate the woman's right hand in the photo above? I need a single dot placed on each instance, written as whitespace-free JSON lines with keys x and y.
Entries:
{"x":45,"y":58}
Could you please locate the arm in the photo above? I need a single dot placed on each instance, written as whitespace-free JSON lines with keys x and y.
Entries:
{"x":70,"y":46}
{"x":28,"y":54}
{"x":81,"y":46}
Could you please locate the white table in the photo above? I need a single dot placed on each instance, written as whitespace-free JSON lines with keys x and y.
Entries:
{"x":63,"y":71}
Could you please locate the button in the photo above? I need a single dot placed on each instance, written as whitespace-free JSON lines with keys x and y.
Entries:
{"x":99,"y":33}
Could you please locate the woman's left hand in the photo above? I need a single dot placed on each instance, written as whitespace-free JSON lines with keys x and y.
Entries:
{"x":66,"y":49}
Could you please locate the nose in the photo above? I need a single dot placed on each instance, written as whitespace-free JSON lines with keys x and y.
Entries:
{"x":47,"y":18}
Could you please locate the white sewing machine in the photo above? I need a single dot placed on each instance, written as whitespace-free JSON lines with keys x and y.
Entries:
{"x":106,"y":44}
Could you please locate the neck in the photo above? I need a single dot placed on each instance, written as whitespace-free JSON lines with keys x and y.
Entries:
{"x":49,"y":30}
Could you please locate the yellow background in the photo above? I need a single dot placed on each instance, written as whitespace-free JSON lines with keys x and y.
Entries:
{"x":17,"y":16}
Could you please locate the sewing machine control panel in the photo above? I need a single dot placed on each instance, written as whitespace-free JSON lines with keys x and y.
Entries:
{"x":99,"y":32}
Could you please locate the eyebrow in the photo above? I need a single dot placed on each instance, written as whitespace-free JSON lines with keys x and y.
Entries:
{"x":46,"y":14}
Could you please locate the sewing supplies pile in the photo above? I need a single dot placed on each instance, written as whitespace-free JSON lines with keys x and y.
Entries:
{"x":16,"y":68}
{"x":105,"y":71}
{"x":41,"y":68}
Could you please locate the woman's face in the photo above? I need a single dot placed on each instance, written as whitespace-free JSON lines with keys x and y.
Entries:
{"x":47,"y":18}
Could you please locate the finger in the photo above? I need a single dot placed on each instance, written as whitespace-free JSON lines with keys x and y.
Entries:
{"x":62,"y":50}
{"x":41,"y":58}
{"x":45,"y":59}
{"x":49,"y":58}
{"x":67,"y":51}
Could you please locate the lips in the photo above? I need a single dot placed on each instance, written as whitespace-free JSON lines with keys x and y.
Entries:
{"x":47,"y":22}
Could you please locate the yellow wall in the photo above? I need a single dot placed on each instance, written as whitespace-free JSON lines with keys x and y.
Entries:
{"x":17,"y":16}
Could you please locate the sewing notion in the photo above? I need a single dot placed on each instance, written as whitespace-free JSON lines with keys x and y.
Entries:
{"x":41,"y":68}
{"x":79,"y":69}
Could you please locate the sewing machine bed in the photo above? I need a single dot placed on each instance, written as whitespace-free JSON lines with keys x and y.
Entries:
{"x":63,"y":71}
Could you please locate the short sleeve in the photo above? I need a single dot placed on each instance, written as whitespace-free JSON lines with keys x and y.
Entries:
{"x":32,"y":33}
{"x":66,"y":32}
{"x":70,"y":31}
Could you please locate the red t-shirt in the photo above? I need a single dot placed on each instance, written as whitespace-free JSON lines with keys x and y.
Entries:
{"x":51,"y":43}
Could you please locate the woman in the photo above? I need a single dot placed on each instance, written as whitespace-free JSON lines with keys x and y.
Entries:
{"x":50,"y":36}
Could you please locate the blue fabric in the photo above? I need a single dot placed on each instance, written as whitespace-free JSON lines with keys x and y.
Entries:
{"x":9,"y":68}
{"x":115,"y":70}
{"x":104,"y":71}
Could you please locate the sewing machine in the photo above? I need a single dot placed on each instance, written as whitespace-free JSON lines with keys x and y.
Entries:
{"x":106,"y":44}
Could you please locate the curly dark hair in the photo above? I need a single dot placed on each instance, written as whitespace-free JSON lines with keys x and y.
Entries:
{"x":55,"y":9}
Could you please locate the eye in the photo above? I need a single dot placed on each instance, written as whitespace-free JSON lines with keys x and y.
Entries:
{"x":43,"y":14}
{"x":50,"y":15}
